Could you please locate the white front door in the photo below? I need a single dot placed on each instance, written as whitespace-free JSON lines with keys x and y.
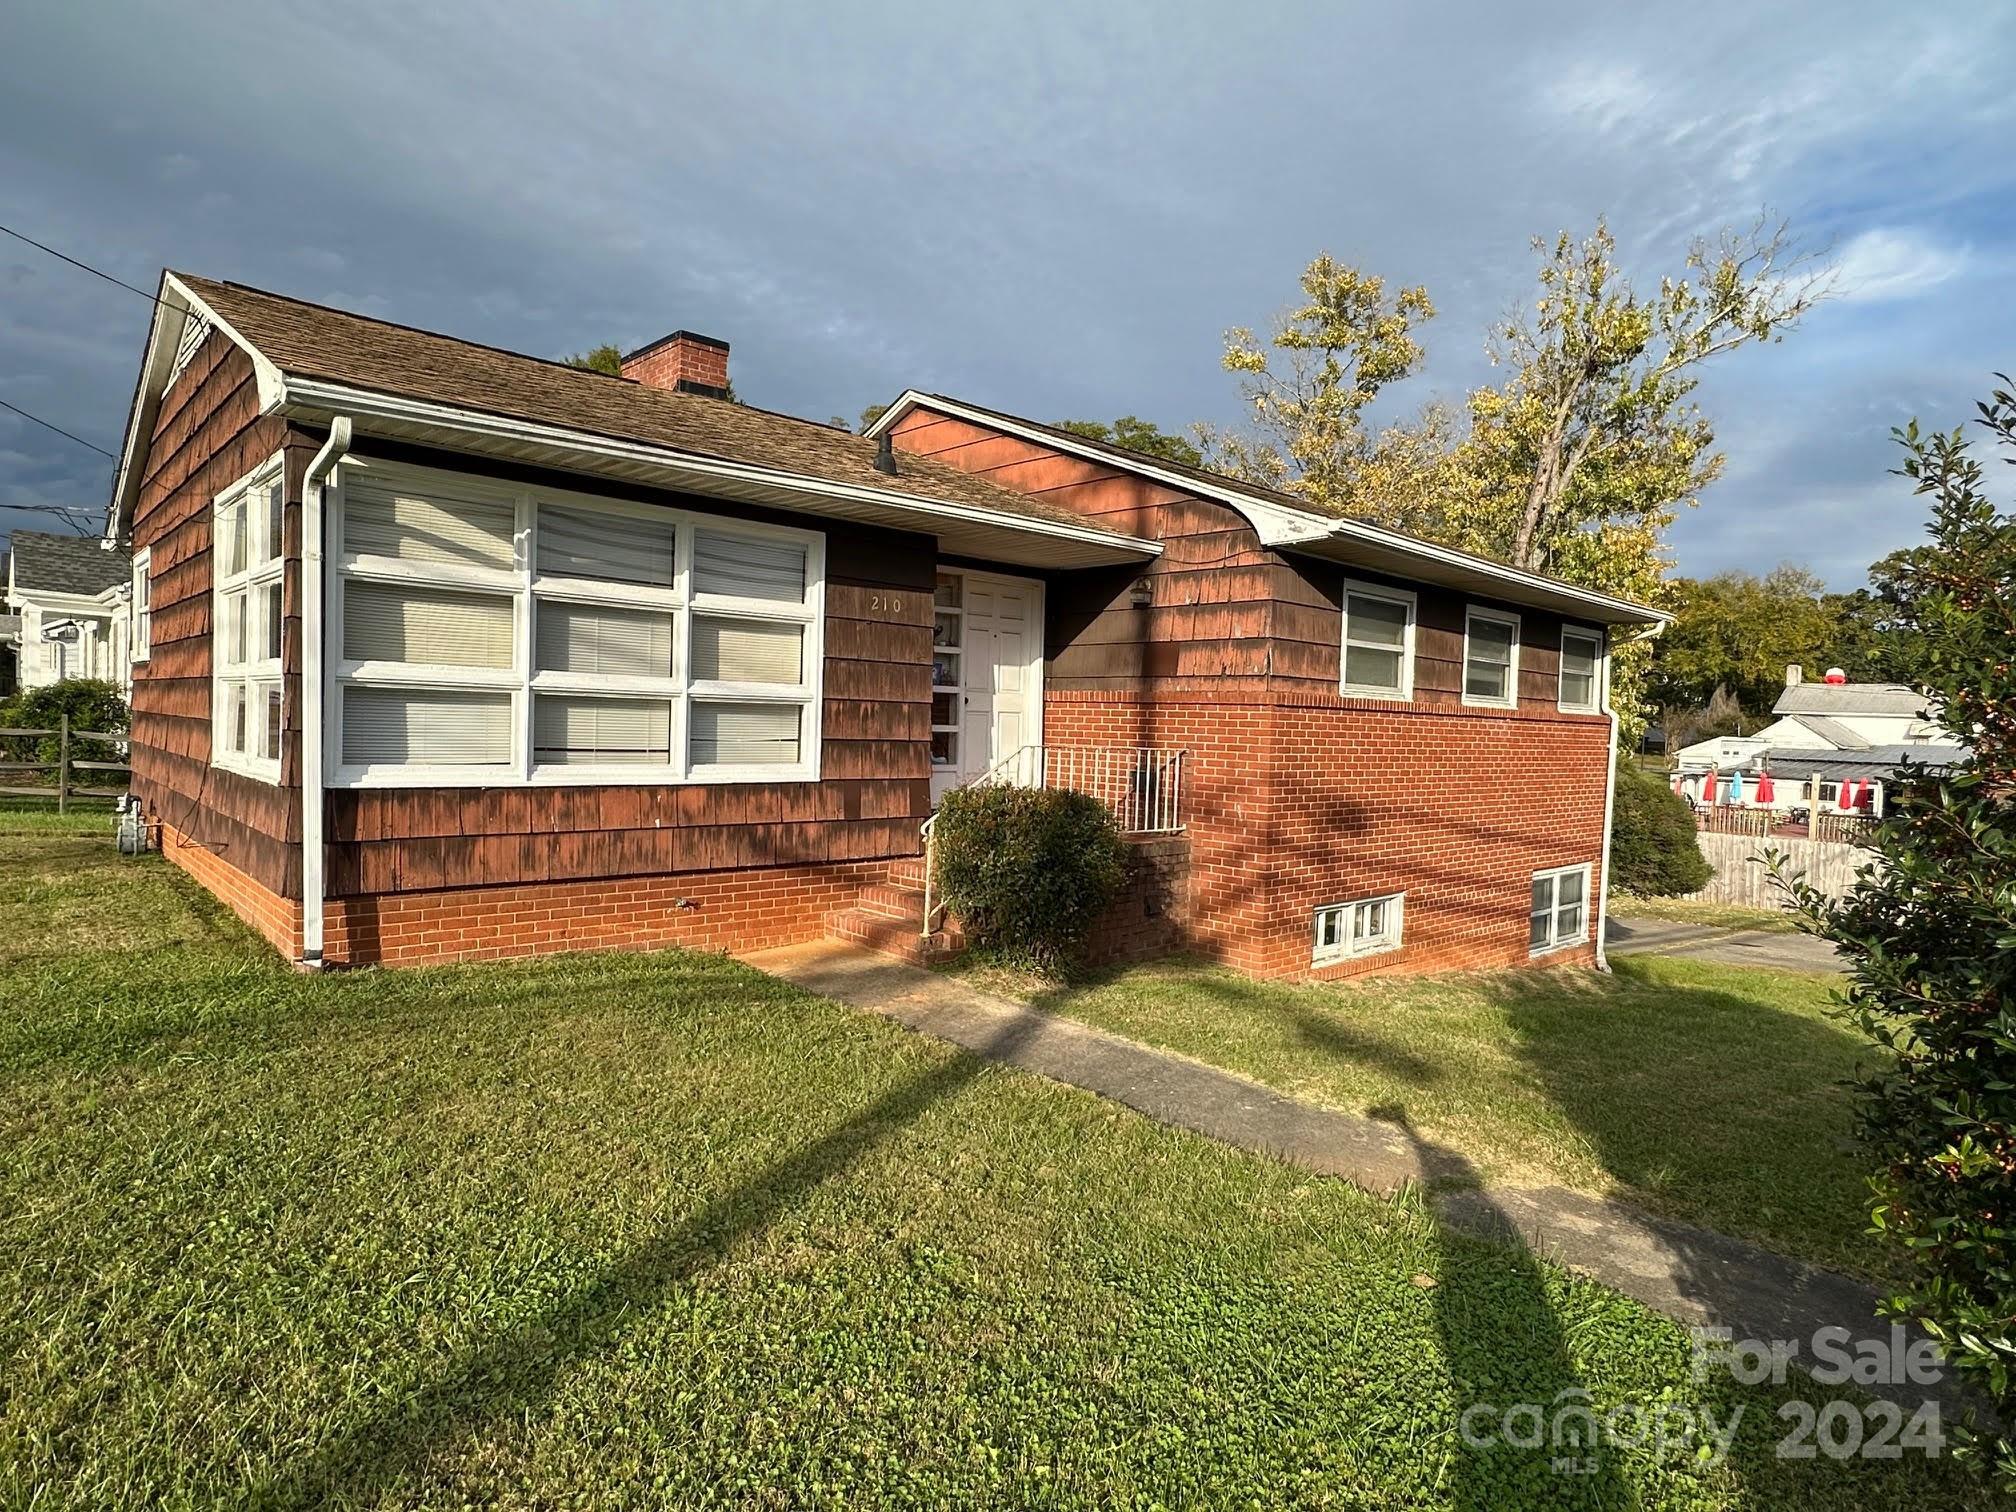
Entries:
{"x":986,"y":700}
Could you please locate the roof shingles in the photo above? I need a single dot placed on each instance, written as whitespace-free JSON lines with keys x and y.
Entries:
{"x":66,"y":564}
{"x":313,"y":341}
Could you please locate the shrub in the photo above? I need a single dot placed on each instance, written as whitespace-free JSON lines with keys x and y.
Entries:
{"x":1931,"y":945}
{"x":1028,"y":870}
{"x":91,"y":703}
{"x":1653,"y":852}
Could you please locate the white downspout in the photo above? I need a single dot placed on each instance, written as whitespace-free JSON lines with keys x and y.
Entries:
{"x":1610,"y":797}
{"x":313,"y":855}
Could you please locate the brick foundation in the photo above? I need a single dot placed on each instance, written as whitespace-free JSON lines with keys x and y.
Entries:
{"x":1151,"y":916}
{"x":724,"y":910}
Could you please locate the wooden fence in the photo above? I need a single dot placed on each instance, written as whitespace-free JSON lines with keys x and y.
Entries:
{"x":64,"y":769}
{"x":1740,"y":877}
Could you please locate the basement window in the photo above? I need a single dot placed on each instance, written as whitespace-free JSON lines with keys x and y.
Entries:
{"x":1560,"y":913}
{"x":485,"y":633}
{"x":246,"y":624}
{"x":1367,"y":927}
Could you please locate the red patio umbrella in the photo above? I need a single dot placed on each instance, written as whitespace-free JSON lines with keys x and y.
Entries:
{"x":1708,"y":787}
{"x":1766,"y":790}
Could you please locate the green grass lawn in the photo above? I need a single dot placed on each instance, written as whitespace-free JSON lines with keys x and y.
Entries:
{"x":38,"y":816}
{"x":1711,"y":1093}
{"x":653,"y":1229}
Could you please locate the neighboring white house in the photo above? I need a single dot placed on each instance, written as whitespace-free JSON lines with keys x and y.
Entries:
{"x":73,"y":596}
{"x":1814,"y":718}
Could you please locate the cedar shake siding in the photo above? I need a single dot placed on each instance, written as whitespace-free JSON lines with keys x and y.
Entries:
{"x":1294,"y":796}
{"x":207,"y":434}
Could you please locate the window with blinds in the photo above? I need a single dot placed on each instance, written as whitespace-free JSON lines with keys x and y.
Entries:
{"x":1490,"y":658}
{"x":1581,"y":671}
{"x":1378,"y":653}
{"x":247,"y":622}
{"x":566,"y":639}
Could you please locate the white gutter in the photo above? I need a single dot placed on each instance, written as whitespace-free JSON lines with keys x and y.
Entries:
{"x":313,"y":793}
{"x":1651,"y":632}
{"x":364,"y":404}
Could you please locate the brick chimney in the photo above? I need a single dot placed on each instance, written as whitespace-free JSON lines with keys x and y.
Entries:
{"x":684,"y":362}
{"x":1794,"y":674}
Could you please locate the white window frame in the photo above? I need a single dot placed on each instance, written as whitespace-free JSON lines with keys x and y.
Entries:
{"x":258,"y":675}
{"x":1599,"y":686}
{"x":955,"y":652}
{"x":527,"y":588}
{"x":1405,"y":599}
{"x":140,"y":614}
{"x":1471,"y":614}
{"x":1556,"y":940}
{"x":1354,"y":940}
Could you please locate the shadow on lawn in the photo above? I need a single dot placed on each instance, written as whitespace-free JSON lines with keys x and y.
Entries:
{"x":1504,"y":1349}
{"x":505,"y":1375}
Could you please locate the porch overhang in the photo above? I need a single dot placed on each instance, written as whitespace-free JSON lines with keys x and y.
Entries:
{"x":962,"y":530}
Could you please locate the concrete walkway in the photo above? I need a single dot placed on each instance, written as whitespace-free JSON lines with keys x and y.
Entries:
{"x":1686,"y":1272}
{"x":1786,"y":950}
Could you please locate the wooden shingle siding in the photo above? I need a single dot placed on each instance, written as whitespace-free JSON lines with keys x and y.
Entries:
{"x":873,"y":794}
{"x":207,"y":434}
{"x":1226,"y":616}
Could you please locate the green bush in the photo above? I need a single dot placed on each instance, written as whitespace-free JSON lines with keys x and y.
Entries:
{"x":91,"y":703}
{"x":1653,"y":852}
{"x":1028,"y":870}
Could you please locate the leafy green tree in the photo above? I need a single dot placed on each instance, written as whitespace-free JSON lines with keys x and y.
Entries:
{"x":602,"y":359}
{"x":1930,"y":936}
{"x":871,"y":414}
{"x":1136,"y":434}
{"x":1871,"y":641}
{"x":1308,"y":385}
{"x":1653,"y":852}
{"x":1739,"y":631}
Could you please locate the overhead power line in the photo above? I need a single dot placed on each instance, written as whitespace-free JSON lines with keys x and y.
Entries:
{"x":75,"y":263}
{"x":58,"y":429}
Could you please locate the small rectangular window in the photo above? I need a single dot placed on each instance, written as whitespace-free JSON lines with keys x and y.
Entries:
{"x":426,"y":727}
{"x":1366,"y":927}
{"x":1559,"y":915}
{"x":247,"y":622}
{"x":747,"y":567}
{"x":1378,"y":655}
{"x":736,"y":735}
{"x":1581,"y":671}
{"x":141,"y":645}
{"x":1491,"y":658}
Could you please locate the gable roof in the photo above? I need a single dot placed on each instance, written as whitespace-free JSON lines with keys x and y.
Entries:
{"x":1892,"y":699}
{"x":67,"y":564}
{"x":1289,"y":522}
{"x":404,"y":383}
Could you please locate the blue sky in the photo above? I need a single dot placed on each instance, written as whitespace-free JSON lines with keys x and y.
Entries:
{"x":1045,"y":210}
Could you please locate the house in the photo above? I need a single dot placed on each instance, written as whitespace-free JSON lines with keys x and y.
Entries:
{"x":71,"y":596}
{"x":456,"y":653}
{"x":10,"y":640}
{"x":1829,"y":733}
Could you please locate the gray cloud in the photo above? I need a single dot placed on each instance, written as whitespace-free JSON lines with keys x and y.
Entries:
{"x":1056,"y":214}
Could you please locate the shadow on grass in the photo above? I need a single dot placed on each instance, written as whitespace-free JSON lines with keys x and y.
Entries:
{"x":1324,"y":1034}
{"x":1507,"y":1356}
{"x":504,"y":1375}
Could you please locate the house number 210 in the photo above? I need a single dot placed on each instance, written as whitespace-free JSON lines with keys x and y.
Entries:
{"x":884,"y":603}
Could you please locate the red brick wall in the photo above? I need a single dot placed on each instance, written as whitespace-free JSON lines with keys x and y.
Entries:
{"x":1290,"y":804}
{"x":730,"y":910}
{"x":679,"y":357}
{"x":1150,"y":918}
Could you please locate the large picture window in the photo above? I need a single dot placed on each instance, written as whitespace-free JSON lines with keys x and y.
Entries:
{"x":247,"y":569}
{"x":1378,"y":656}
{"x":488,"y":633}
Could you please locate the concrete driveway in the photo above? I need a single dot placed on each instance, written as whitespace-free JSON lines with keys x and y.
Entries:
{"x":1736,"y":947}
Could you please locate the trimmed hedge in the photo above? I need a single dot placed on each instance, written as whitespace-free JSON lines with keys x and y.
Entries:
{"x":1028,"y":871}
{"x":91,"y":703}
{"x":1653,"y":852}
